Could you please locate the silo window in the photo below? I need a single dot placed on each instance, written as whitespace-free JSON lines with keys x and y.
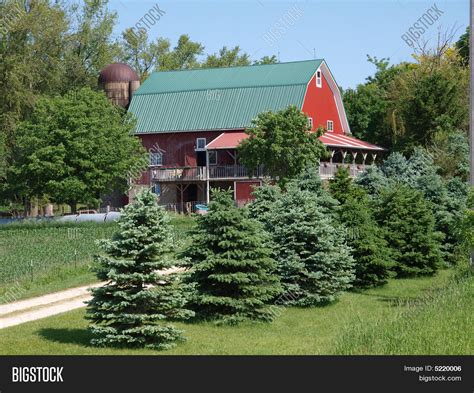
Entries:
{"x":156,"y":159}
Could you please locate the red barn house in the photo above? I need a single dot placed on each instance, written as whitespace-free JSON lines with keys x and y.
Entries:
{"x":191,"y":122}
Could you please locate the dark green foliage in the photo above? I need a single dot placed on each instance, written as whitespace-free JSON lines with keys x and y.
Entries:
{"x":410,"y":231}
{"x":309,"y":180}
{"x":372,"y":180}
{"x":447,"y":198}
{"x":450,"y":151}
{"x":402,"y":106}
{"x":73,"y":149}
{"x":341,"y":185}
{"x":364,"y":236}
{"x":314,"y":261}
{"x":265,"y":196}
{"x":133,"y":308}
{"x":280,"y":141}
{"x":462,"y":45}
{"x":232,"y":269}
{"x":369,"y":248}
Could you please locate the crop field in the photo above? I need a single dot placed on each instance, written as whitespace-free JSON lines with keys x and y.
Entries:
{"x":43,"y":257}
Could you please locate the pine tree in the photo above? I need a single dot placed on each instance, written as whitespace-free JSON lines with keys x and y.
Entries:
{"x":309,"y":180}
{"x":133,"y":308}
{"x":313,"y":259}
{"x":410,"y":231}
{"x":232,"y":269}
{"x":265,"y":196}
{"x":364,"y":237}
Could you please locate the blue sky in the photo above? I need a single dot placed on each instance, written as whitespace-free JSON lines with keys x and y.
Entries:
{"x":341,"y":31}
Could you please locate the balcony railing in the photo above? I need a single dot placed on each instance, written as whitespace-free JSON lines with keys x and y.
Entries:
{"x":233,"y":172}
{"x":200,"y":174}
{"x":327,"y":170}
{"x":229,"y":172}
{"x":179,"y":174}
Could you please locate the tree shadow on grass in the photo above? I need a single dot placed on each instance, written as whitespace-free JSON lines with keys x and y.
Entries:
{"x":67,"y":336}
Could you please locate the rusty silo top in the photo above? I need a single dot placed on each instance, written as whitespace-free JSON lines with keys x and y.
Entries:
{"x":118,"y":72}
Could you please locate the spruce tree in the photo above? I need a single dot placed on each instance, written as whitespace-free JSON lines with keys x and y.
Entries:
{"x":309,"y":180}
{"x":410,"y":231}
{"x":264,"y":198}
{"x":134,"y":308}
{"x":231,"y":266}
{"x":313,"y":259}
{"x":369,"y":248}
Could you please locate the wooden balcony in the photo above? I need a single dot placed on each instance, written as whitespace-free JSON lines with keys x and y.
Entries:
{"x":327,"y":170}
{"x":189,"y":174}
{"x":179,"y":174}
{"x":235,"y":172}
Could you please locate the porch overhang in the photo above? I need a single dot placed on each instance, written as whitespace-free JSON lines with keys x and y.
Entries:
{"x":340,"y":141}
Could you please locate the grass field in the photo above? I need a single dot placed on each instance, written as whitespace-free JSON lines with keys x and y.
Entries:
{"x":425,"y":315}
{"x":41,"y":258}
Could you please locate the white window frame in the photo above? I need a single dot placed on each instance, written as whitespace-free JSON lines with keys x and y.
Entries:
{"x":310,"y":123}
{"x":156,"y":159}
{"x":330,"y":126}
{"x":319,"y":78}
{"x":215,"y":155}
{"x":197,"y":148}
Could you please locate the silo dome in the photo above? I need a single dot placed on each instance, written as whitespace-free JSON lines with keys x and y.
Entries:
{"x":119,"y":81}
{"x":118,"y":72}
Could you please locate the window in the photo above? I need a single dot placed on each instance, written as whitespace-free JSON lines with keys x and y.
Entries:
{"x":212,"y":157}
{"x":310,"y":123}
{"x":330,"y":126}
{"x":157,"y":189}
{"x":201,"y":143}
{"x":319,"y":80}
{"x":156,"y":159}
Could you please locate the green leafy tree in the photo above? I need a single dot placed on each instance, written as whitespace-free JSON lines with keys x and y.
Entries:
{"x":410,"y":231}
{"x":450,"y":152}
{"x":314,"y":262}
{"x":146,"y":56}
{"x":402,"y":106}
{"x":46,"y":48}
{"x":231,"y":266}
{"x":369,"y":248}
{"x":267,"y":60}
{"x":135,"y":306}
{"x":89,"y":46}
{"x":74,"y":149}
{"x":227,"y":58}
{"x":280,"y":141}
{"x":462,"y":45}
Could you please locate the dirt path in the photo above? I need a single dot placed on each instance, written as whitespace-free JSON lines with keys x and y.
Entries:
{"x":16,"y":313}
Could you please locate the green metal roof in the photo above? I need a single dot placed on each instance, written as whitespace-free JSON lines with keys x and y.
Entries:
{"x":218,"y":98}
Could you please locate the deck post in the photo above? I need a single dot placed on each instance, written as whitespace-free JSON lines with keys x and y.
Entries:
{"x":207,"y":178}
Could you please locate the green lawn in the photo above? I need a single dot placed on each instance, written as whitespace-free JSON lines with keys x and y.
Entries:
{"x":37,"y":259}
{"x":324,"y":330}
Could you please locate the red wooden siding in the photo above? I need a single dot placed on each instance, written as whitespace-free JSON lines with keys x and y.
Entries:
{"x":244,"y":189}
{"x":319,"y":104}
